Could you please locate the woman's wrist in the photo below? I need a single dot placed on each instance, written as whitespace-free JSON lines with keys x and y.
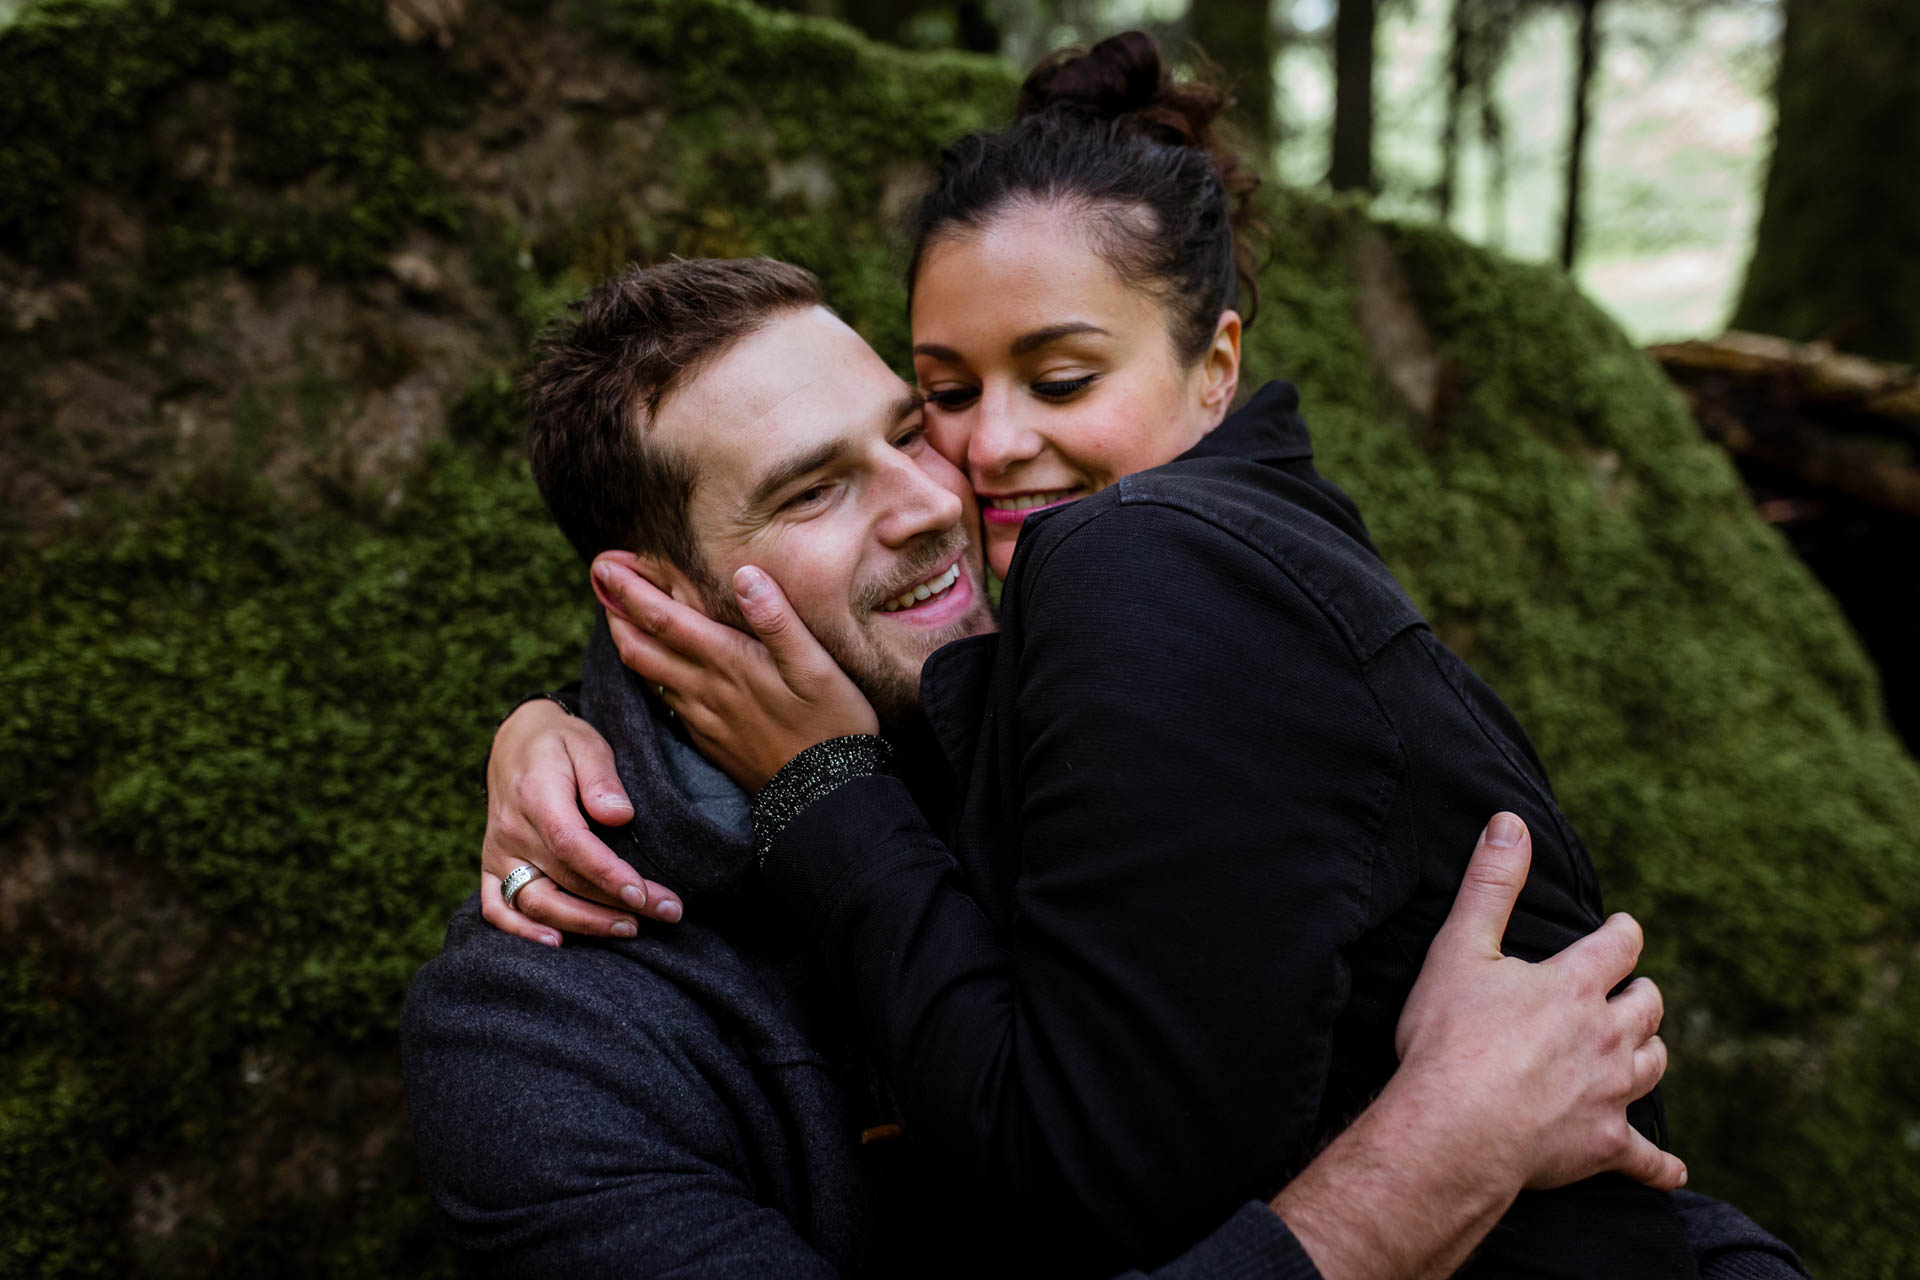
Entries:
{"x":563,"y":699}
{"x":817,"y":771}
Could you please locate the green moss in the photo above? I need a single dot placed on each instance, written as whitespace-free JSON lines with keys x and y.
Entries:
{"x":284,"y":723}
{"x":253,"y":729}
{"x":491,"y":414}
{"x":816,"y":87}
{"x":318,"y":105}
{"x":787,"y":136}
{"x":1712,"y":726}
{"x":61,"y":1211}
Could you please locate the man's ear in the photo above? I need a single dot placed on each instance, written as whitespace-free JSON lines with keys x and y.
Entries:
{"x":1220,"y":368}
{"x":657,"y":570}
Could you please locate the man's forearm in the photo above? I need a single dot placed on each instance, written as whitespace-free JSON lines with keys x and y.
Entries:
{"x":1398,"y":1195}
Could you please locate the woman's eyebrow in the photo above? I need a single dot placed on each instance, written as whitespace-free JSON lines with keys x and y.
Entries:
{"x":1025,"y":344}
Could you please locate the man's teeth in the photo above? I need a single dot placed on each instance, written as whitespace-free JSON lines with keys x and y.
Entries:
{"x":931,"y":587}
{"x":1027,"y":501}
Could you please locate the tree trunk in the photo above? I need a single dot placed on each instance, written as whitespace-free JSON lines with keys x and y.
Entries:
{"x":1837,"y":423}
{"x":975,"y":27}
{"x":1352,"y":168}
{"x":1589,"y":62}
{"x":878,"y":19}
{"x":1835,"y":257}
{"x":1237,"y":37}
{"x":1493,"y":133}
{"x":1459,"y":79}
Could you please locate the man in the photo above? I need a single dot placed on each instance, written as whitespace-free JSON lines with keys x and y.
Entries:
{"x":685,"y":1101}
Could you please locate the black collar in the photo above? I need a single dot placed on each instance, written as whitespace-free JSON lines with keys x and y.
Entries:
{"x":953,"y":689}
{"x":1268,"y":428}
{"x":953,"y":682}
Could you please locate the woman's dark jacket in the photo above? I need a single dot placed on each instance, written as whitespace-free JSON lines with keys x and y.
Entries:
{"x":687,"y":1102}
{"x":1220,"y":782}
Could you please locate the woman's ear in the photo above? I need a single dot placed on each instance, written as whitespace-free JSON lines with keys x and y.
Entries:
{"x":1220,"y":368}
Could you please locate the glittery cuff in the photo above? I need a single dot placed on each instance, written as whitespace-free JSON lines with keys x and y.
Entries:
{"x":820,"y":769}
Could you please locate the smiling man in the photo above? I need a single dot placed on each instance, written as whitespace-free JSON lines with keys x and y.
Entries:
{"x":807,"y":457}
{"x":692,"y":1100}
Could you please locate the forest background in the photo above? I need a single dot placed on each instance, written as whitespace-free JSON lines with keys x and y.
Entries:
{"x":271,"y":563}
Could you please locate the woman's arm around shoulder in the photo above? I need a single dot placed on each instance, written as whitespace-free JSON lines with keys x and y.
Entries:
{"x":1201,"y":775}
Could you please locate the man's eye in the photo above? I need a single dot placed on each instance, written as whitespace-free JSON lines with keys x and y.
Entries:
{"x":805,"y":498}
{"x":953,"y":398}
{"x":910,"y":437}
{"x":1062,"y":390}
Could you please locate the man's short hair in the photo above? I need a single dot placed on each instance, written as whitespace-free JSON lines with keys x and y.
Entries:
{"x":599,"y":379}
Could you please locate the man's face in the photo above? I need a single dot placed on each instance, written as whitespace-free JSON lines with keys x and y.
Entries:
{"x":811,"y":464}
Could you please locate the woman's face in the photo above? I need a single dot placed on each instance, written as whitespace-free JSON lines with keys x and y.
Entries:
{"x":1047,"y":375}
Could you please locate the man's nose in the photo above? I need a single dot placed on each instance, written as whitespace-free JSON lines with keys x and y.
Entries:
{"x":1002,"y":436}
{"x":916,"y":503}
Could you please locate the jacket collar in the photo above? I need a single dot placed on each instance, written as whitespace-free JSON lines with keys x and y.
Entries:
{"x":1268,"y":428}
{"x":954,"y":681}
{"x":953,"y":689}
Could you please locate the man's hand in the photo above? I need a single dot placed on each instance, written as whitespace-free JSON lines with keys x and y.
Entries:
{"x":1512,"y":1075}
{"x":749,"y":702}
{"x":541,"y":758}
{"x":1537,"y":1057}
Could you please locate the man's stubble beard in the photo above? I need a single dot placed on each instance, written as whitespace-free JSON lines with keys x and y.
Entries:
{"x":889,"y":679}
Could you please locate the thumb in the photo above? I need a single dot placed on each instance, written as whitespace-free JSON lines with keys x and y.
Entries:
{"x":1494,"y":877}
{"x":1646,"y":1163}
{"x":602,"y":794}
{"x":794,"y":650}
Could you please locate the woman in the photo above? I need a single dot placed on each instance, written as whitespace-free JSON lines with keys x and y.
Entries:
{"x":1205,"y":805}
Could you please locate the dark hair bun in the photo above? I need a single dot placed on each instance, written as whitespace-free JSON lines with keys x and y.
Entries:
{"x":1123,"y":79}
{"x":1111,"y":129}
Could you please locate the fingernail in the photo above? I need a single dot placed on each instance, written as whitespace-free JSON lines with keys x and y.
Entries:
{"x":634,"y":896}
{"x":624,"y":929}
{"x":669,"y":910}
{"x":750,"y":583}
{"x":1504,"y":831}
{"x":551,"y":939}
{"x":614,"y":800}
{"x":604,"y":572}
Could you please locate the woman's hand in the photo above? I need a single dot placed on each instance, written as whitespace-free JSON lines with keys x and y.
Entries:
{"x":749,"y":704}
{"x":541,"y":758}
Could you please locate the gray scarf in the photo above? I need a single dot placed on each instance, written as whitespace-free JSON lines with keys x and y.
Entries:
{"x":693,"y":828}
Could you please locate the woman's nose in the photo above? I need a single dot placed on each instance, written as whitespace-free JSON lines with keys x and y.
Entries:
{"x":1002,"y":437}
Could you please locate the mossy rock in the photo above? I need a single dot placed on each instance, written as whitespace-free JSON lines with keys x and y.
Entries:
{"x":246,"y":699}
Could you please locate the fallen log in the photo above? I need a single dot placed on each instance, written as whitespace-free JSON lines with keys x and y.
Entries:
{"x":1841,"y":424}
{"x":1819,"y":373}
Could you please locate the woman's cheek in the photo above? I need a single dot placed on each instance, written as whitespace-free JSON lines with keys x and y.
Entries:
{"x":1134,"y":446}
{"x":1098,"y":442}
{"x":949,"y":440}
{"x":1000,"y":542}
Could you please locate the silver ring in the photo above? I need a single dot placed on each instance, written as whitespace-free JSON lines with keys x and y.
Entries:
{"x":517,"y":879}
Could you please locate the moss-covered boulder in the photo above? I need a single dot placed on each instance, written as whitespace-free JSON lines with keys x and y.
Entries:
{"x":271,"y":567}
